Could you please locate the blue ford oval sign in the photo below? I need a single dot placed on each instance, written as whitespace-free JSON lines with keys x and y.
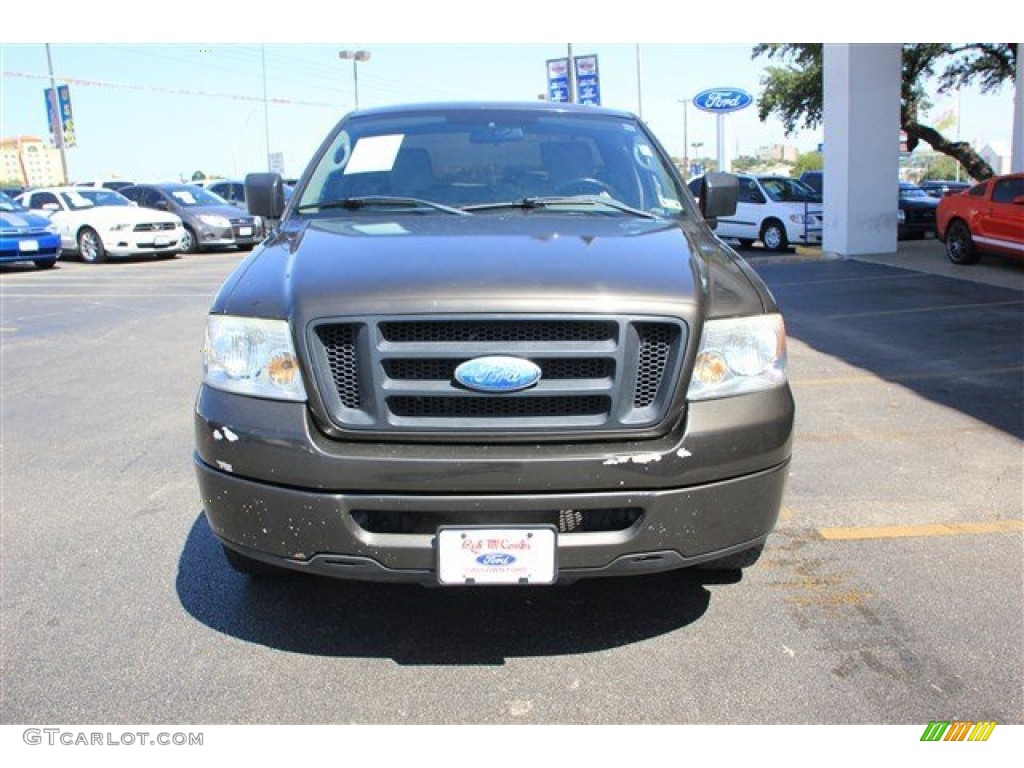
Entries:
{"x":497,"y":373}
{"x":722,"y":100}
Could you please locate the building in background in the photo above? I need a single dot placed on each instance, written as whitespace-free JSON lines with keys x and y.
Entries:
{"x":785,"y":153}
{"x":997,"y":155}
{"x":30,"y":162}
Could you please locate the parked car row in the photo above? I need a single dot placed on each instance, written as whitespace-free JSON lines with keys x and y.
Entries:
{"x":208,"y":220}
{"x":95,"y":222}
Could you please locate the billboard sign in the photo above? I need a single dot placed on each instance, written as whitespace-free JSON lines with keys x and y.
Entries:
{"x":558,"y":80}
{"x":588,"y":83}
{"x":722,"y":100}
{"x":67,"y":122}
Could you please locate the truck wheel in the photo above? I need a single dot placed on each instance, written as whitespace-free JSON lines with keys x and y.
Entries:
{"x":248,"y":566}
{"x":734,"y":562}
{"x":773,"y":235}
{"x":959,"y":244}
{"x":90,"y":247}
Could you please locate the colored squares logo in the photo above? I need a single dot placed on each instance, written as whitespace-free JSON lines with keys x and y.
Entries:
{"x":958,"y":730}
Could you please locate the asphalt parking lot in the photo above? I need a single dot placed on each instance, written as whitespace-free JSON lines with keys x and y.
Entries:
{"x":891,"y":592}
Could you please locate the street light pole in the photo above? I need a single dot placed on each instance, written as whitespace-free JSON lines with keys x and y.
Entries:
{"x":356,"y":57}
{"x":58,"y":121}
{"x":686,"y":136}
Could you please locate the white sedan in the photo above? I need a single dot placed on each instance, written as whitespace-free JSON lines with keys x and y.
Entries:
{"x":96,"y":223}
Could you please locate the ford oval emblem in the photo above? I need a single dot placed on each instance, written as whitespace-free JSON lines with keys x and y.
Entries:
{"x":722,"y":100}
{"x":497,"y":373}
{"x":496,"y":559}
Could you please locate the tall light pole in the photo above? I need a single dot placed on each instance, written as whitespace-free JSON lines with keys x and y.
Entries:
{"x":639,"y":86}
{"x":356,"y":57}
{"x":58,"y":120}
{"x":266,"y":109}
{"x":686,"y":135}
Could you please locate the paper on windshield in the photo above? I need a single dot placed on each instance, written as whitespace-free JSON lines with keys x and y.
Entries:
{"x":374,"y":154}
{"x":184,"y":196}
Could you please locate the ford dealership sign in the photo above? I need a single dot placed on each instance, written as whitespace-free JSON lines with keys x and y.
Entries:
{"x":723,"y":100}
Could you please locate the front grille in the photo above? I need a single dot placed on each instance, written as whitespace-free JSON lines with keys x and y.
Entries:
{"x":496,"y":407}
{"x":444,"y":370}
{"x":920,"y":216}
{"x":397,"y":375}
{"x":496,"y":331}
{"x":656,"y":344}
{"x":159,"y":226}
{"x":339,"y":344}
{"x":567,"y":521}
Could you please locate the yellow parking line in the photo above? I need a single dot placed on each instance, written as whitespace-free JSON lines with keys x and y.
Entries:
{"x":931,"y":529}
{"x":943,"y":308}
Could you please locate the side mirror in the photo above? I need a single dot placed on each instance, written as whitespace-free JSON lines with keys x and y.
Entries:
{"x":264,"y":195}
{"x":1018,"y":200}
{"x":719,"y":193}
{"x":51,"y":207}
{"x":162,"y":205}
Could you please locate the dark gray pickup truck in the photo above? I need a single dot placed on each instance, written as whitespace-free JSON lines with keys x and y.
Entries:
{"x":492,"y":344}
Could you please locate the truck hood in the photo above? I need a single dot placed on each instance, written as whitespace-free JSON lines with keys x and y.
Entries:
{"x":530,"y":261}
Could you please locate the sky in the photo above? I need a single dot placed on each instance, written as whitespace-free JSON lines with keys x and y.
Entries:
{"x":150,"y":111}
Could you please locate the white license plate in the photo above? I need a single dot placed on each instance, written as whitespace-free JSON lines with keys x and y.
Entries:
{"x":28,"y":246}
{"x":471,"y":556}
{"x":162,"y":240}
{"x":245,"y":231}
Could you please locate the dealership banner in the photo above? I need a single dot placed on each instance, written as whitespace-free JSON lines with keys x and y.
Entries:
{"x":588,"y":83}
{"x":67,"y":122}
{"x":558,"y":80}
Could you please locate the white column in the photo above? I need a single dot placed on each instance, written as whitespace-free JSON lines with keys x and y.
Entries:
{"x":862,"y":123}
{"x":1017,"y":150}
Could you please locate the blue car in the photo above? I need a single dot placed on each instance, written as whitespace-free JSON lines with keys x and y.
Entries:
{"x":25,"y":236}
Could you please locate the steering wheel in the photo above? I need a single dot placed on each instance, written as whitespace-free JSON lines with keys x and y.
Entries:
{"x":584,"y":185}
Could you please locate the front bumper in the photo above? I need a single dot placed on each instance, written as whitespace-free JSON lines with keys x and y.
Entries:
{"x":29,"y":248}
{"x":799,"y":236}
{"x":275,"y":489}
{"x":118,"y":243}
{"x":248,"y":234}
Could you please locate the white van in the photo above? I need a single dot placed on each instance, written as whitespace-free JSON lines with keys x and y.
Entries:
{"x":777,"y":210}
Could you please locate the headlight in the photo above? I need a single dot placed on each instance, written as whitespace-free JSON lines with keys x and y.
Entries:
{"x":739,"y":355}
{"x":120,"y":227}
{"x":252,"y":356}
{"x":797,"y":218}
{"x":214,"y":221}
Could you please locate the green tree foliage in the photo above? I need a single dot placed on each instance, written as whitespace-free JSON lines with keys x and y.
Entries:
{"x":794,"y":88}
{"x":942,"y":168}
{"x":808,"y":161}
{"x":198,"y":176}
{"x":744,"y":163}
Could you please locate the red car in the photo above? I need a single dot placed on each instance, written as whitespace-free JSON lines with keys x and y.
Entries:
{"x":989,"y":218}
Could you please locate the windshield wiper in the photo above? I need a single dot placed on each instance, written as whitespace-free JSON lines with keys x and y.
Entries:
{"x":383,"y":201}
{"x":547,"y":202}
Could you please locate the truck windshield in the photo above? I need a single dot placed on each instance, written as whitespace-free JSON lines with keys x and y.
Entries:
{"x":473,"y":158}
